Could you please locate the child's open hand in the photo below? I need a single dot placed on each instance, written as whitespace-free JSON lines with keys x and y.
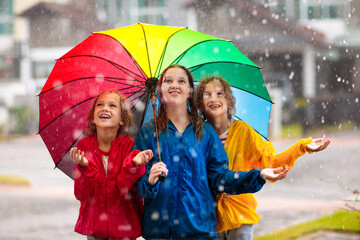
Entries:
{"x":156,"y":170}
{"x":77,"y":156}
{"x":143,"y":157}
{"x":274,"y":174}
{"x":318,"y":144}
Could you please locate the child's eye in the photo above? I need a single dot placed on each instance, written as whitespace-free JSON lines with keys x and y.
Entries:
{"x":99,"y":104}
{"x":221,"y":94}
{"x":113,"y":105}
{"x":166,"y":80}
{"x":206,"y":95}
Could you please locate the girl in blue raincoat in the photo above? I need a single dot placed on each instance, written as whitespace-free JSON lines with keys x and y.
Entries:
{"x":194,"y":162}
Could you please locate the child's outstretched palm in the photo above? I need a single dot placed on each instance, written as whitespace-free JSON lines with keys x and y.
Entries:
{"x":77,"y":156}
{"x":318,"y":144}
{"x":143,"y":157}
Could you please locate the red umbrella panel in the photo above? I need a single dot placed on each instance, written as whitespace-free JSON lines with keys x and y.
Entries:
{"x":77,"y":79}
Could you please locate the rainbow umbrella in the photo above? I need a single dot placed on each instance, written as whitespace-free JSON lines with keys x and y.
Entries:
{"x":130,"y":59}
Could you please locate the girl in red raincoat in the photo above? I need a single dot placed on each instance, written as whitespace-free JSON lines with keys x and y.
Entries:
{"x":106,"y":171}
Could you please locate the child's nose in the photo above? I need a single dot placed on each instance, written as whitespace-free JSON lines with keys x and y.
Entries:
{"x":213,"y":97}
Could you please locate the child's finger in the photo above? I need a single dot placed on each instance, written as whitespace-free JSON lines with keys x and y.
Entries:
{"x":278,"y":170}
{"x":82,"y":156}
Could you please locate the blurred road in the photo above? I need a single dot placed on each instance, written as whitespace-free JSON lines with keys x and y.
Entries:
{"x":48,"y":210}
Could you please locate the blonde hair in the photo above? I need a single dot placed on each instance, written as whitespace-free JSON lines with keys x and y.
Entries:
{"x":126,"y":115}
{"x":227,"y":90}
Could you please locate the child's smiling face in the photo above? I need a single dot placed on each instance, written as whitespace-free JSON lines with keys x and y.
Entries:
{"x":214,"y":102}
{"x":175,"y":87}
{"x":107,"y":112}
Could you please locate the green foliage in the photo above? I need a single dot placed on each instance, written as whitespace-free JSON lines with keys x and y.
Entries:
{"x":341,"y":221}
{"x":21,"y":116}
{"x":294,"y":130}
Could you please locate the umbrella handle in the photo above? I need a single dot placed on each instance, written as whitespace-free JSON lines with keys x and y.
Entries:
{"x":162,"y":177}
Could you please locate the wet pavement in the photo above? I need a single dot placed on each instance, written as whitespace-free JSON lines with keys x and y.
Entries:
{"x":48,"y":210}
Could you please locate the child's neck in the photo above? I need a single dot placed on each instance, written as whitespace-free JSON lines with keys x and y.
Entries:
{"x":220,"y":124}
{"x":105,"y":138}
{"x":178,"y":116}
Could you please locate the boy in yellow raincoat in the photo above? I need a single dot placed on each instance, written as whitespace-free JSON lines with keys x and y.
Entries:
{"x":236,"y":214}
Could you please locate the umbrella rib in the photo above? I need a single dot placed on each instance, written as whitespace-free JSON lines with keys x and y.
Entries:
{"x":88,"y":99}
{"x":253,"y":128}
{"x":164,"y":51}
{"x":111,"y":62}
{"x":201,"y":65}
{"x":82,"y":134}
{"x":177,"y":60}
{"x":147,"y":49}
{"x":84,"y":78}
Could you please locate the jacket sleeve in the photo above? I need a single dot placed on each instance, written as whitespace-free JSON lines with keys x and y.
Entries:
{"x":224,"y":180}
{"x":260,"y":154}
{"x":85,"y":178}
{"x":142,"y":142}
{"x":130,"y":173}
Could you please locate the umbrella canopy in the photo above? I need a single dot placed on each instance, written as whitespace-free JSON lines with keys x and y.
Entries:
{"x":130,"y":59}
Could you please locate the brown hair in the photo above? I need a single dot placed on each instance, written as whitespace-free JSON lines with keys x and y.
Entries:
{"x":126,"y":115}
{"x":227,"y":90}
{"x":195,"y":119}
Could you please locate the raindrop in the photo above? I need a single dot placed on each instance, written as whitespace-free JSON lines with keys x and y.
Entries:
{"x":155,"y":215}
{"x":216,"y":50}
{"x":291,"y":76}
{"x":193,"y":153}
{"x":126,"y":227}
{"x":99,"y":78}
{"x":176,"y":158}
{"x":232,"y":12}
{"x":236,"y":175}
{"x":140,"y":106}
{"x":272,"y":40}
{"x":77,"y":133}
{"x":322,"y":119}
{"x":264,"y":21}
{"x":103,"y":217}
{"x":141,"y":43}
{"x":254,"y":12}
{"x":57,"y":84}
{"x":339,"y":79}
{"x":356,"y":100}
{"x":221,"y":188}
{"x":176,"y":221}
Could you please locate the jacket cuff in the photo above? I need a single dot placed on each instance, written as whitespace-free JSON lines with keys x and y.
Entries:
{"x":90,"y":171}
{"x":304,"y":144}
{"x":152,"y":190}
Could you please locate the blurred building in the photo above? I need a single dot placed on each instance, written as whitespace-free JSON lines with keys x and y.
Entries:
{"x":308,"y":49}
{"x":314,"y":45}
{"x":34,"y":33}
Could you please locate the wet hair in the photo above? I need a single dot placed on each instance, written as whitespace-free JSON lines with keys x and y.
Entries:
{"x":227,"y":90}
{"x":126,"y":115}
{"x":195,"y":119}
